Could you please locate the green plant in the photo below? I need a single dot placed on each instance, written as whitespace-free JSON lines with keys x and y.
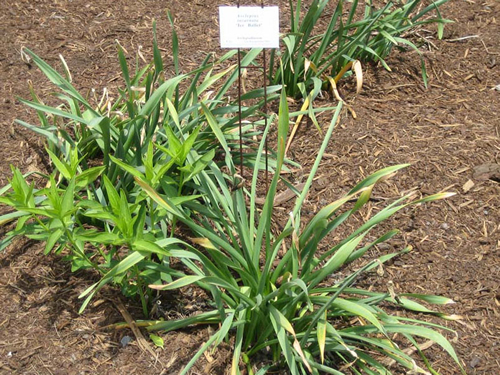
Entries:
{"x":160,"y":191}
{"x":162,"y":131}
{"x":307,"y":319}
{"x":150,"y":109}
{"x":312,"y":59}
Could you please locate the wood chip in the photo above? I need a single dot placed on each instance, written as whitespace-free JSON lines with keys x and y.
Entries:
{"x":487,"y":171}
{"x":461,"y":170}
{"x":282,"y":197}
{"x":468,"y":185}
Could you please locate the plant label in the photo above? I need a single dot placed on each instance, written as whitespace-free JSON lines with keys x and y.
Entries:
{"x":249,"y":27}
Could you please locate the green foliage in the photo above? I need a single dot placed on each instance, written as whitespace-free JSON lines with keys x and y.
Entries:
{"x":157,"y":340}
{"x":300,"y":308}
{"x":310,"y":56}
{"x":149,"y":109}
{"x":151,"y":178}
{"x":163,"y":132}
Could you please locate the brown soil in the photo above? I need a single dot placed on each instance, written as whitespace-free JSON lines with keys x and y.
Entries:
{"x":445,"y":132}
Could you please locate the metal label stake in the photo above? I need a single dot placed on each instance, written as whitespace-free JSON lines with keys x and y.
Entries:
{"x":247,"y":21}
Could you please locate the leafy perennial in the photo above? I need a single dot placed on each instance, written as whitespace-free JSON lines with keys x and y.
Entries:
{"x":290,"y":305}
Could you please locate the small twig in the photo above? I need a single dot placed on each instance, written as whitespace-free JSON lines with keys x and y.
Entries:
{"x":427,"y":41}
{"x":461,"y":38}
{"x":141,"y":341}
{"x":33,"y":352}
{"x":487,"y":50}
{"x":409,"y":351}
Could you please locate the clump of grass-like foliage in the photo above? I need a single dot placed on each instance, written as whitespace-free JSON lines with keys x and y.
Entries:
{"x":313,"y":58}
{"x":292,"y":310}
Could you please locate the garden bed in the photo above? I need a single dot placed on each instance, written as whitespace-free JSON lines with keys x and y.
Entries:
{"x":446,"y":132}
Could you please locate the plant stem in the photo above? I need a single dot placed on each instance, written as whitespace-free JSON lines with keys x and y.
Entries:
{"x":79,"y":252}
{"x":179,"y":191}
{"x":140,"y":286}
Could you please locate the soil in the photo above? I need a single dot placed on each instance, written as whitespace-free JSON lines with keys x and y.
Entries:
{"x":449,"y":132}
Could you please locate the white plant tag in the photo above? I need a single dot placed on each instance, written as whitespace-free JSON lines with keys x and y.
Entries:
{"x":249,"y":27}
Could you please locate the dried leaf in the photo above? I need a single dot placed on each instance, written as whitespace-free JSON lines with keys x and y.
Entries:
{"x":358,"y":71}
{"x":296,"y":346}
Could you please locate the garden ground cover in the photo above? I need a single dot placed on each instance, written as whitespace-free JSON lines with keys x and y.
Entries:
{"x":446,"y":132}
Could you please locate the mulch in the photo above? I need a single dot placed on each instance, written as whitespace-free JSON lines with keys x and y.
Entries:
{"x":449,"y":132}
